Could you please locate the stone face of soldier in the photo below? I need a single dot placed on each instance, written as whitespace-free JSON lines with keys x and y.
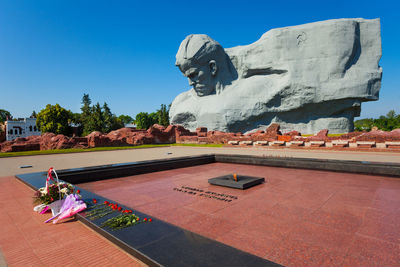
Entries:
{"x":197,"y":59}
{"x":203,"y":77}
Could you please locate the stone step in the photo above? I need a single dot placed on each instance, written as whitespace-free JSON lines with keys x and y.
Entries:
{"x":365,"y":144}
{"x":391,"y":144}
{"x":317,"y":143}
{"x":233,"y":142}
{"x":340,"y":143}
{"x":246,"y":143}
{"x":296,"y":143}
{"x":380,"y":145}
{"x":261,"y":143}
{"x":277,"y":143}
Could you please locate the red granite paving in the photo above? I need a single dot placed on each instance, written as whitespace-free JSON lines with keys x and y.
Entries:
{"x":297,"y":218}
{"x":26,"y":241}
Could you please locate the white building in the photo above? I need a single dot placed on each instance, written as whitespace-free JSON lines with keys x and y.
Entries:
{"x":130,"y":125}
{"x":21,"y":128}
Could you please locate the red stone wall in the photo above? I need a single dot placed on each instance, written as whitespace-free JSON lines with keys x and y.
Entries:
{"x":158,"y":134}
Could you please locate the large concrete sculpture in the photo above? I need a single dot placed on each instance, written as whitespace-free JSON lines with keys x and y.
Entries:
{"x":306,"y":78}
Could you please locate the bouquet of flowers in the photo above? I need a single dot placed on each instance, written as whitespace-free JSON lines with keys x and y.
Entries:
{"x":70,"y":206}
{"x":52,"y":195}
{"x":48,"y":194}
{"x":59,"y":197}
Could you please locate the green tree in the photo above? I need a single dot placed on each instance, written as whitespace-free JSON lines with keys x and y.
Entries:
{"x":381,"y":123}
{"x":54,"y":119}
{"x":153,"y":119}
{"x":76,"y":119}
{"x":77,"y":123}
{"x":108,"y":119}
{"x":4,"y":114}
{"x":391,"y":114}
{"x":97,"y":118}
{"x":88,"y":119}
{"x":163,"y":115}
{"x":93,"y":121}
{"x":86,"y":112}
{"x":117,"y":123}
{"x":125,"y":119}
{"x":86,"y":102}
{"x":111,"y":122}
{"x":33,"y":115}
{"x":363,"y":125}
{"x":141,"y":120}
{"x":392,"y":121}
{"x":386,"y":123}
{"x":144,"y":120}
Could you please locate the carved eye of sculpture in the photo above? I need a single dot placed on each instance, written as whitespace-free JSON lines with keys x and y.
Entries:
{"x":192,"y":75}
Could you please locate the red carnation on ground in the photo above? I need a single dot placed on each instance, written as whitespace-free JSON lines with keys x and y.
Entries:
{"x":78,"y":191}
{"x":119,"y":208}
{"x":106,"y":202}
{"x":145,"y":219}
{"x":94,"y":201}
{"x":150,"y":219}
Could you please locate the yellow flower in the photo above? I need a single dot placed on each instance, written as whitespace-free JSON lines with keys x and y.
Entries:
{"x":64,"y":190}
{"x":43,"y":191}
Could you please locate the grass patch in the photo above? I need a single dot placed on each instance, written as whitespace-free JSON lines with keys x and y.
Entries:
{"x":199,"y":145}
{"x":333,"y":135}
{"x":329,"y":135}
{"x":79,"y":150}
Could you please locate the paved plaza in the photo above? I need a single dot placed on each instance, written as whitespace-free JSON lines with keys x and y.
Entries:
{"x":296,"y":218}
{"x":11,"y":166}
{"x":313,"y":217}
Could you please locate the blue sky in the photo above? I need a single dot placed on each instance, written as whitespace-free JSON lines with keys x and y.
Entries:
{"x":123,"y":52}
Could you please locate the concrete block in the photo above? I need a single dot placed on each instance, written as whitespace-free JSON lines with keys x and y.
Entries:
{"x":233,"y":142}
{"x":246,"y":143}
{"x":261,"y":143}
{"x":277,"y":143}
{"x":380,"y":145}
{"x":353,"y":145}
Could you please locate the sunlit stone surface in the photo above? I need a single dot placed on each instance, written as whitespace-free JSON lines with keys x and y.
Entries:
{"x":306,"y":78}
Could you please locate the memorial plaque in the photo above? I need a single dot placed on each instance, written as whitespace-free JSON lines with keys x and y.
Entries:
{"x":241,"y":181}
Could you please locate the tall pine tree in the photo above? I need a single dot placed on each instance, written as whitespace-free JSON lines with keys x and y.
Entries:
{"x":85,"y":117}
{"x":163,"y":115}
{"x":108,"y":119}
{"x":97,"y":118}
{"x":4,"y":115}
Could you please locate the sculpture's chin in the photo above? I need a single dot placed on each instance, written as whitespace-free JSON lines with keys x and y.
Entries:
{"x":202,"y":91}
{"x":200,"y":94}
